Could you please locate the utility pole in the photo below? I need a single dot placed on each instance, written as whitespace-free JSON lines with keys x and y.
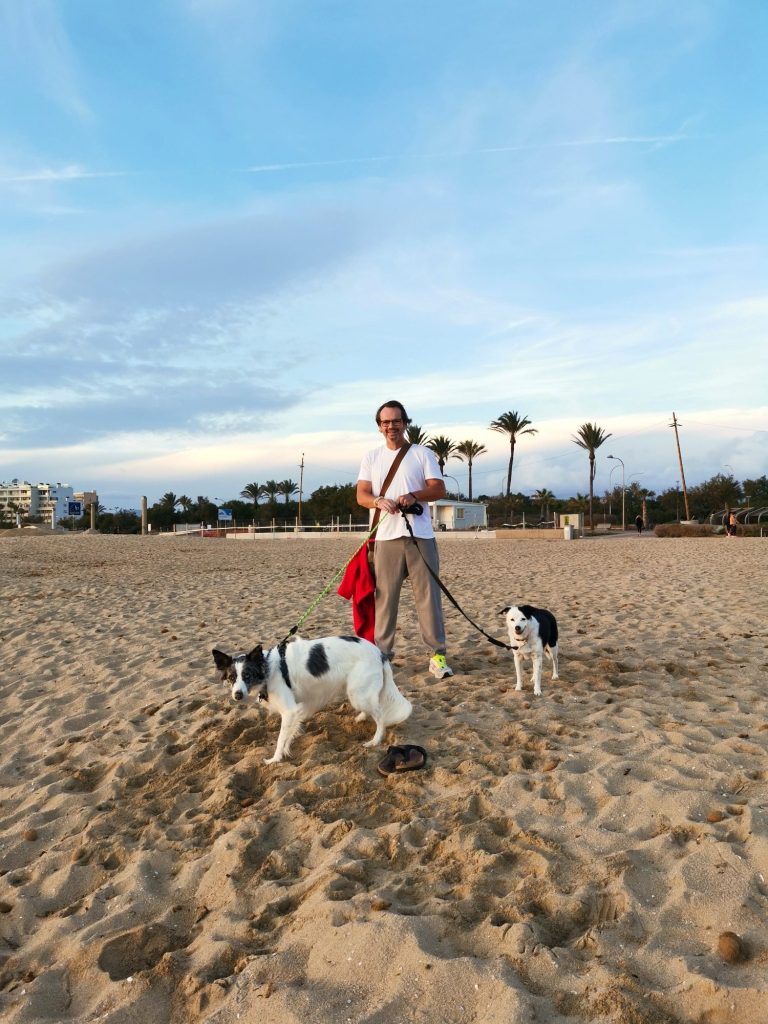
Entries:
{"x":676,"y":423}
{"x":301,"y":487}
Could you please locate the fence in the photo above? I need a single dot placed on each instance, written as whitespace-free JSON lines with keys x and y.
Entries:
{"x":273,"y":529}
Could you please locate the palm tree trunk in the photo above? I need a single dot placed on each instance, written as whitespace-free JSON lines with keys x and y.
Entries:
{"x":509,"y":471}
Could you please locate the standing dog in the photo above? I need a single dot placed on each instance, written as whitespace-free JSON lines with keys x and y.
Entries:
{"x":295,"y":680}
{"x":532,"y":631}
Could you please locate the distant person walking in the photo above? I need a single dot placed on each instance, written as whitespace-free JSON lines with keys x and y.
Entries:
{"x":639,"y":524}
{"x":732,"y":521}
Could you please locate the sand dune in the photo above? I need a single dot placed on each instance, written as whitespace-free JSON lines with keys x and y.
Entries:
{"x":569,"y":858}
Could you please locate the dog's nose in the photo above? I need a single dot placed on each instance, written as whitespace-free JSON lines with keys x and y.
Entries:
{"x":237,"y":695}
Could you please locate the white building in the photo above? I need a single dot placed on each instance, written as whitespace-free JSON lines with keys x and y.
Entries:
{"x":48,"y":501}
{"x":459,"y":515}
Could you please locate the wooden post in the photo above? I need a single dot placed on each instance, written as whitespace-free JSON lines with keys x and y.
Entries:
{"x":675,"y":423}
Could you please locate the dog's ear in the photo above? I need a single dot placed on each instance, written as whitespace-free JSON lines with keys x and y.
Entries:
{"x":257,"y":654}
{"x":223,"y":661}
{"x":505,"y":610}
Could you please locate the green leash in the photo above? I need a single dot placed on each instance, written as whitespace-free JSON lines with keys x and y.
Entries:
{"x":294,"y":629}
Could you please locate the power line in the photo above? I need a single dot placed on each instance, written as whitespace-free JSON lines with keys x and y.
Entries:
{"x":722,"y":426}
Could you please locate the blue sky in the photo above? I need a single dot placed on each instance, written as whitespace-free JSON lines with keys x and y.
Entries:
{"x":229,"y":229}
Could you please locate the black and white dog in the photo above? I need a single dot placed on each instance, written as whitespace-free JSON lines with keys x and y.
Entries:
{"x":532,"y":631}
{"x":296,"y":679}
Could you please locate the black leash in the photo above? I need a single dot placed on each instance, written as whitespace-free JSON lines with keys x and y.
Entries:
{"x":414,"y":509}
{"x":417,"y":509}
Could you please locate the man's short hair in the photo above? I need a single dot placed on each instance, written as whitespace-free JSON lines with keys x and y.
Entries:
{"x":392,"y":405}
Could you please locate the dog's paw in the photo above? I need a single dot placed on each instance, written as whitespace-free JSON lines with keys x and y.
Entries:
{"x":537,"y":693}
{"x":272,"y":760}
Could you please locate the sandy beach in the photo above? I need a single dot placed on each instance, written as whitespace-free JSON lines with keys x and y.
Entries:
{"x":570,"y":858}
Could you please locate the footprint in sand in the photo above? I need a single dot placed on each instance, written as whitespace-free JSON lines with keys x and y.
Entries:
{"x":139,"y":950}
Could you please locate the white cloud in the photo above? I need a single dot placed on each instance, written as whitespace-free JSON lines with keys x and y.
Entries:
{"x":52,"y":175}
{"x":35,"y":41}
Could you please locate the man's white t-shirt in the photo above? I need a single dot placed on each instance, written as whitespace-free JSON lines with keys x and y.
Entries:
{"x":419,"y":465}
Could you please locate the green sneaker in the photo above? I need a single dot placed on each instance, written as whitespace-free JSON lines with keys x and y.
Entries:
{"x":438,"y":666}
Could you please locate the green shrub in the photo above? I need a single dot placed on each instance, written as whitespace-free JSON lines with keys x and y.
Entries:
{"x":683,"y":530}
{"x":752,"y":530}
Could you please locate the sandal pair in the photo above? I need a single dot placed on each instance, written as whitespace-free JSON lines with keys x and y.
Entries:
{"x":407,"y":758}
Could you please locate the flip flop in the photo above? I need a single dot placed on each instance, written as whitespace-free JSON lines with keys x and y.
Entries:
{"x":407,"y":758}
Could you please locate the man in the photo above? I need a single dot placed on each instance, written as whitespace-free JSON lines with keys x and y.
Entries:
{"x":396,"y":555}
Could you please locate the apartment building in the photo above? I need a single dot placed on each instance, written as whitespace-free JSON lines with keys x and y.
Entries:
{"x":49,"y":501}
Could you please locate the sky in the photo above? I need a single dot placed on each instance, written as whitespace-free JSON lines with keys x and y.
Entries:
{"x":231,"y":229}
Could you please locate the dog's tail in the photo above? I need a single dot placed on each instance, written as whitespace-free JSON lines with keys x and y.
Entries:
{"x":396,"y":707}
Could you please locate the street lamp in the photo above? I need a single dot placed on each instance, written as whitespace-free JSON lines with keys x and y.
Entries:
{"x":610,"y":490}
{"x":623,"y":519}
{"x":643,"y":508}
{"x":448,"y":477}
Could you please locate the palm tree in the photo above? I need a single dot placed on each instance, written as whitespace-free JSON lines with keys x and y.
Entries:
{"x":469,"y":450}
{"x":581,"y":501}
{"x":512,"y":423}
{"x":443,"y":448}
{"x":253,"y":491}
{"x":287,"y":488}
{"x":12,"y":509}
{"x":544,"y":497}
{"x":416,"y":435}
{"x":272,"y":489}
{"x":169,"y":501}
{"x":646,"y":495}
{"x":185,"y":503}
{"x":589,"y":437}
{"x":206,"y":510}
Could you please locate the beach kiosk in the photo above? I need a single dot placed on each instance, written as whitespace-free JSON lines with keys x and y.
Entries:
{"x":448,"y":514}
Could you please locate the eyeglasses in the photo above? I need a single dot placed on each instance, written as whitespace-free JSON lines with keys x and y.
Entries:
{"x":390,"y":423}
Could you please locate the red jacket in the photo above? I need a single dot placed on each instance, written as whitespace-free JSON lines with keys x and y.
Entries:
{"x":358,"y":586}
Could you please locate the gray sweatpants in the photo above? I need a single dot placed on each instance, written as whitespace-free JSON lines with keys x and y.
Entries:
{"x":393,"y":560}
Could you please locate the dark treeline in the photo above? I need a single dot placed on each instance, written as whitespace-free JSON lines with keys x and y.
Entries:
{"x":337,"y":501}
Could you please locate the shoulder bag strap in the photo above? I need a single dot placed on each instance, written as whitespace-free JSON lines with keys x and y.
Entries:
{"x":387,"y":481}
